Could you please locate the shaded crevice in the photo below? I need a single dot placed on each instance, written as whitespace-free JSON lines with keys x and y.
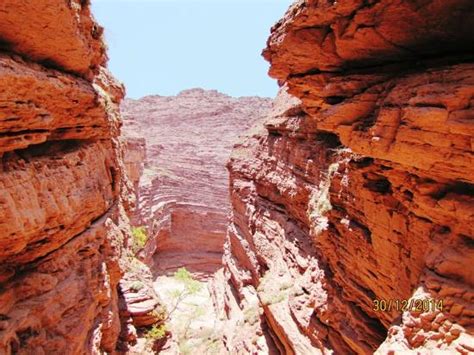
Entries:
{"x":330,"y":140}
{"x":380,"y":185}
{"x":5,"y":45}
{"x":395,"y":67}
{"x":47,"y":149}
{"x":365,"y":231}
{"x":334,"y":100}
{"x":24,"y":132}
{"x":458,"y":188}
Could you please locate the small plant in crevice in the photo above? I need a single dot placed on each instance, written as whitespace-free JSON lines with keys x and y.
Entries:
{"x":139,"y":238}
{"x":160,"y":313}
{"x":156,"y":332}
{"x":319,"y":203}
{"x":155,"y":337}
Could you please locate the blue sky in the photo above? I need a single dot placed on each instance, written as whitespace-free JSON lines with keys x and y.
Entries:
{"x":165,"y":46}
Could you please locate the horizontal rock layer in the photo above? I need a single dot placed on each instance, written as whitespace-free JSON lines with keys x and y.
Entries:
{"x":72,"y":40}
{"x":66,"y":300}
{"x":361,"y":189}
{"x":329,"y":36}
{"x":182,"y":193}
{"x":62,"y":224}
{"x":39,"y":217}
{"x":40,"y":104}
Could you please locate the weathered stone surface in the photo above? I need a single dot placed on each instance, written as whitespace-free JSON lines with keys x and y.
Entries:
{"x":362,"y":190}
{"x":63,"y":227}
{"x":39,"y":104}
{"x":194,"y":239}
{"x":37,"y":216}
{"x":67,"y":300}
{"x":55,"y":33}
{"x":139,"y":300}
{"x":183,"y":201}
{"x":331,"y":36}
{"x":183,"y":194}
{"x":421,"y":120}
{"x":134,"y":158}
{"x":320,"y":232}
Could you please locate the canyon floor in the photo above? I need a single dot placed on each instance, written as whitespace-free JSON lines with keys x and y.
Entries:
{"x":194,"y":321}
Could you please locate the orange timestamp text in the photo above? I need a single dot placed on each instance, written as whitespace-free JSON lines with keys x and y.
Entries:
{"x":417,"y":305}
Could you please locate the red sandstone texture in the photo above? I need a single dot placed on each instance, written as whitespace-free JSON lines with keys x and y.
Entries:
{"x":71,"y":41}
{"x":182,"y":195}
{"x":63,"y":227}
{"x":360,"y":185}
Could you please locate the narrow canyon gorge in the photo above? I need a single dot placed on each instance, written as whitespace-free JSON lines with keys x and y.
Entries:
{"x":336,"y":218}
{"x":177,"y":155}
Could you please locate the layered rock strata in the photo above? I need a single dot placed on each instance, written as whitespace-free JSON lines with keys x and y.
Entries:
{"x":183,"y":194}
{"x":360,"y":186}
{"x":63,"y":228}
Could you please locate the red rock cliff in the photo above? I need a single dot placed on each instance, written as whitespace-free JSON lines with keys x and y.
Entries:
{"x":182,"y":192}
{"x":360,"y":186}
{"x":61,"y":237}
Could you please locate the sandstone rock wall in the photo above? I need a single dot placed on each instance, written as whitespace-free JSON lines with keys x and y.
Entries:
{"x":360,"y":186}
{"x":61,"y":219}
{"x":183,"y":190}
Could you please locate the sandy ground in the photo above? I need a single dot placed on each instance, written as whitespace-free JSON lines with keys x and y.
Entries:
{"x":193,"y":321}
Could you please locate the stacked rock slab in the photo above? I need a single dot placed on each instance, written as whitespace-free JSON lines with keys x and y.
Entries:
{"x":181,"y":180}
{"x":61,"y":233}
{"x":361,"y":185}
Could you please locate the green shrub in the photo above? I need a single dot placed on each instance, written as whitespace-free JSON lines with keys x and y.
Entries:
{"x":139,"y":238}
{"x":156,"y":332}
{"x":191,"y":286}
{"x":182,"y":274}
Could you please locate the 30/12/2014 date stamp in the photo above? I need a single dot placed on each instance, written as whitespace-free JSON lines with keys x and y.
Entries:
{"x":417,"y":305}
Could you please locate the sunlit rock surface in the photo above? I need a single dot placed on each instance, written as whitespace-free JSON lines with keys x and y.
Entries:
{"x":360,"y":185}
{"x":63,"y":226}
{"x":183,"y":197}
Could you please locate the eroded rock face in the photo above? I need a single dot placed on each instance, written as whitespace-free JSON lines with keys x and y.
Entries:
{"x":72,"y":41}
{"x":63,"y":228}
{"x":360,"y":187}
{"x":183,"y":194}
